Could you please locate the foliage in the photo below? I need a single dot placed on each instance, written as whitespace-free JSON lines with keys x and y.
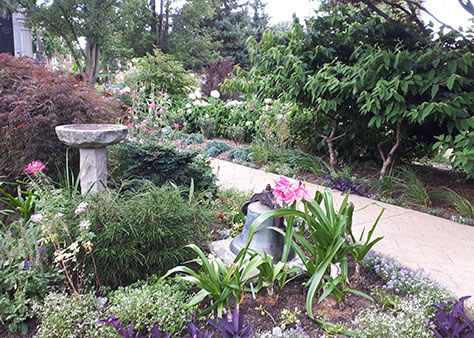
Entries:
{"x":288,"y":317}
{"x":322,"y":240}
{"x":155,"y":333}
{"x":160,"y":164}
{"x":74,"y":315}
{"x":460,"y":203}
{"x":227,"y":206}
{"x":216,"y":280}
{"x":193,"y":139}
{"x":215,"y":74}
{"x":160,"y":72}
{"x":450,"y":320}
{"x":144,"y":304}
{"x":24,"y":276}
{"x":345,"y":184}
{"x":234,"y":328}
{"x":348,"y":62}
{"x":411,"y":188}
{"x":143,"y":233}
{"x":215,"y":147}
{"x":193,"y":332}
{"x":92,"y":20}
{"x":240,"y":154}
{"x":33,"y":101}
{"x":22,"y":205}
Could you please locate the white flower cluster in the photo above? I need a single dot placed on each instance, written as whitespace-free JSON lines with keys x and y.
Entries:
{"x":81,"y":208}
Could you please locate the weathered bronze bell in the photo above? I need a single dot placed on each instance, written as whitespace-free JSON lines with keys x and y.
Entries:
{"x":264,"y":239}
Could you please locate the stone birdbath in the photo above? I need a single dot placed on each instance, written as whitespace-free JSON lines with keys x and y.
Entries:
{"x":92,"y":140}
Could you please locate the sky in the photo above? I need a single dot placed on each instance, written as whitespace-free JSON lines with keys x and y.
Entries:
{"x":448,"y":11}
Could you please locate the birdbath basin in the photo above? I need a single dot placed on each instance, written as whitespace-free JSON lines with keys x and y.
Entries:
{"x":92,"y":141}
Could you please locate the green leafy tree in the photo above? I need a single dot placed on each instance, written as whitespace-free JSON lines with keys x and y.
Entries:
{"x":72,"y":20}
{"x":362,"y":74}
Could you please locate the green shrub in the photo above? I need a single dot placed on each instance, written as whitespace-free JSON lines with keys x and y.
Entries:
{"x":33,"y":101}
{"x":161,"y":72}
{"x":215,"y":147}
{"x":160,"y":164}
{"x":193,"y":139}
{"x":142,"y":234}
{"x":240,"y":153}
{"x":207,"y":126}
{"x":24,"y":278}
{"x":72,"y":316}
{"x":164,"y":304}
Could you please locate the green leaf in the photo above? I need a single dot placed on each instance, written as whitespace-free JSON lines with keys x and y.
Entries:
{"x":451,"y":82}
{"x":434,"y":91}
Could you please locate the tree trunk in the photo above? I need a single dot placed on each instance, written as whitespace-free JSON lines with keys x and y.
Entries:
{"x":154,"y":30}
{"x":92,"y":61}
{"x":387,"y":160}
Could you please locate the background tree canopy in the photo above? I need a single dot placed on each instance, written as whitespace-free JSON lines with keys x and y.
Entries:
{"x":370,"y":85}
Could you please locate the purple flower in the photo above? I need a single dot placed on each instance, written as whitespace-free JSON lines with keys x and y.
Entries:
{"x":27,"y":265}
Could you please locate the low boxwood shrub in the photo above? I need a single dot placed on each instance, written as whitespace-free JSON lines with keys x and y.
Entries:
{"x":141,"y":234}
{"x":33,"y":101}
{"x":160,"y":164}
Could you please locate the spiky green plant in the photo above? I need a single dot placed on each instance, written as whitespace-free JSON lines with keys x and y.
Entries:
{"x":411,"y":188}
{"x":458,"y":202}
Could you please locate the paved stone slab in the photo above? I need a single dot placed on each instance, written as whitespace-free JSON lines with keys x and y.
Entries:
{"x":444,"y":249}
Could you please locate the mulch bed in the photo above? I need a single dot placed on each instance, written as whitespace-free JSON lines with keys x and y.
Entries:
{"x":293,"y":296}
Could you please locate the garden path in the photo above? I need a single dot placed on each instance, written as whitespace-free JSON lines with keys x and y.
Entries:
{"x":443,"y":248}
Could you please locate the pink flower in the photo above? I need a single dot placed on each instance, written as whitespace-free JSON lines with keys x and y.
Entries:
{"x":36,"y":218}
{"x":81,"y":208}
{"x":176,"y":125}
{"x":152,"y":105}
{"x":125,"y":93}
{"x":118,"y":100}
{"x":85,"y":224}
{"x":269,"y":107}
{"x":116,"y":89}
{"x":120,"y":94}
{"x":153,"y":132}
{"x":284,"y":191}
{"x":160,"y":111}
{"x":252,"y":106}
{"x":185,"y":124}
{"x":129,"y":126}
{"x":145,"y":129}
{"x":34,"y":167}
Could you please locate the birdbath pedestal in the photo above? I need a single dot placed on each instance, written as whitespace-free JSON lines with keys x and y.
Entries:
{"x":92,"y":140}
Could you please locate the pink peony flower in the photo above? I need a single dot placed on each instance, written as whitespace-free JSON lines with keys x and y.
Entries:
{"x":34,"y":167}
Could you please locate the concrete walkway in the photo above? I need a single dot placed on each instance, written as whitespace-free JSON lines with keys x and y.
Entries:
{"x":444,"y":249}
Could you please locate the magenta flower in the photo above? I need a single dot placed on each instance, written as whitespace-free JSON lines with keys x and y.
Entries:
{"x":176,"y":125}
{"x":153,"y":105}
{"x":269,"y":107}
{"x":285,"y":192}
{"x":252,"y":106}
{"x":145,"y":129}
{"x":185,"y":124}
{"x":34,"y":167}
{"x":160,"y":111}
{"x":153,"y":132}
{"x":129,"y":126}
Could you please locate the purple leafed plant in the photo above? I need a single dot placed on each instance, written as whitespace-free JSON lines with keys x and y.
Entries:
{"x":452,"y":324}
{"x":155,"y":333}
{"x":345,"y":184}
{"x":233,"y":329}
{"x":193,"y":333}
